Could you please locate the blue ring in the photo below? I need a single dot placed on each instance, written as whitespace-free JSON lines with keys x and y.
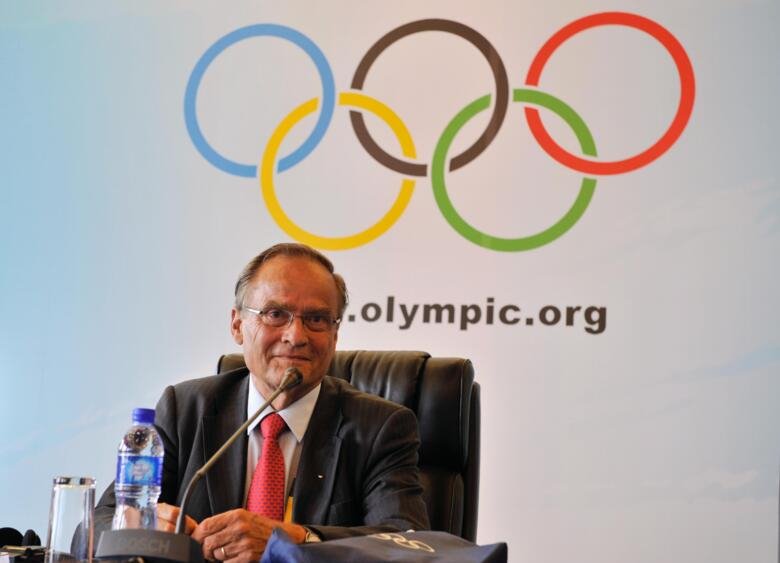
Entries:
{"x":326,"y":113}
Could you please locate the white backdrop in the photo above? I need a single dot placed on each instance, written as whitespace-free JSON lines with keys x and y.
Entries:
{"x":644,"y":429}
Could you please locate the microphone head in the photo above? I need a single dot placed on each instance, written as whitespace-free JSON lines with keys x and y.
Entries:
{"x":10,"y":536}
{"x":292,"y":377}
{"x":31,"y":538}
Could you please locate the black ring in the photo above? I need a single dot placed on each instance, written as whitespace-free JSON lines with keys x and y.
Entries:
{"x":499,"y":109}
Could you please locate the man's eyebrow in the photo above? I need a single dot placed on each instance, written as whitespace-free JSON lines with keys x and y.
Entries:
{"x":307,"y":311}
{"x":318,"y":311}
{"x":273,"y":305}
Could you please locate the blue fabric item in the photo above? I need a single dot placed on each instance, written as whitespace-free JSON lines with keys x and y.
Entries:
{"x":375,"y":548}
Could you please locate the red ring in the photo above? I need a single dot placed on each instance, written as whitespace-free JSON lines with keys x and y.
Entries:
{"x":687,"y":94}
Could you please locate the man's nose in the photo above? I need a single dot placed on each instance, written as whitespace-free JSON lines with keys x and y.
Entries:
{"x":295,"y":333}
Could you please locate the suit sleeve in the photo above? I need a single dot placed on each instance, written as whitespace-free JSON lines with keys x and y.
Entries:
{"x":391,"y":490}
{"x":165,"y":419}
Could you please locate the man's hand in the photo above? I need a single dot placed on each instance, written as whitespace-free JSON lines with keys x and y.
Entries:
{"x":240,"y":536}
{"x":166,"y":519}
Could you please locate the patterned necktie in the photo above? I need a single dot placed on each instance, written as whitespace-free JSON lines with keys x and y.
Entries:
{"x":266,"y":493}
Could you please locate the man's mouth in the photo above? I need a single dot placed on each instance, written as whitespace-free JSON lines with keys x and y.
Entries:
{"x":292,"y":358}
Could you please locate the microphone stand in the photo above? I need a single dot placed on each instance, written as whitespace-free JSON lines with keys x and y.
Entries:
{"x":155,"y":545}
{"x":291,"y":378}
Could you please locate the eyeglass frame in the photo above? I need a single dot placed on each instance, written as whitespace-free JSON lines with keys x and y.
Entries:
{"x":333,"y":322}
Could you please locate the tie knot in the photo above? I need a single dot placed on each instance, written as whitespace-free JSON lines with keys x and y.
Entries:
{"x":272,"y":425}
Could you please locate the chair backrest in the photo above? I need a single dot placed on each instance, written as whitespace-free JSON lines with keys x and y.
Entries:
{"x":444,"y":396}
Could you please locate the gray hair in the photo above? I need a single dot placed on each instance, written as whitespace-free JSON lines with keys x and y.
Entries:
{"x":294,"y":250}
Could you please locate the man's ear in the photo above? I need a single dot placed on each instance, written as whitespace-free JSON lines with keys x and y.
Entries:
{"x":235,"y":326}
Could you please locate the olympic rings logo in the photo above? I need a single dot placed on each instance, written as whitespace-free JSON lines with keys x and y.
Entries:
{"x":272,"y":164}
{"x":401,"y":541}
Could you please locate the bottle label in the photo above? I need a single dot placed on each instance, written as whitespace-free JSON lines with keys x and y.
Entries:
{"x":142,"y":470}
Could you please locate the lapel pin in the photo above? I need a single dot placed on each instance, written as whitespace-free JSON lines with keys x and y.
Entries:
{"x":320,"y":476}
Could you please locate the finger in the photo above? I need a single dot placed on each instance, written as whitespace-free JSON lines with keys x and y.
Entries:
{"x":165,"y":525}
{"x":214,"y":552}
{"x":213,"y":544}
{"x":167,"y":518}
{"x":208,"y":553}
{"x":189,"y":525}
{"x":167,"y":511}
{"x":210,"y":526}
{"x":240,"y":535}
{"x":233,"y":553}
{"x":245,"y":550}
{"x":220,"y":554}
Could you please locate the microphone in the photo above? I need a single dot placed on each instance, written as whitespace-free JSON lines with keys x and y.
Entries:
{"x":20,"y":547}
{"x":10,"y":536}
{"x":292,"y":377}
{"x":154,"y":545}
{"x":31,"y":538}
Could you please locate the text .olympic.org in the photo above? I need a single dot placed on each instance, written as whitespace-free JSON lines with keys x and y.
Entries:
{"x":592,"y":318}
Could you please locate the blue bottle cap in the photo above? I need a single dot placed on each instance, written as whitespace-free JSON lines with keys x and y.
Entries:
{"x":144,"y":416}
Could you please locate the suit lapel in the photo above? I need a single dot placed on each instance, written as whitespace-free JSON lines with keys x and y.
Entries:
{"x":225,"y":481}
{"x":319,"y":458}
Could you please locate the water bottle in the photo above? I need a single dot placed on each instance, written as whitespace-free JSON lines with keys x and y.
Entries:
{"x":139,"y":467}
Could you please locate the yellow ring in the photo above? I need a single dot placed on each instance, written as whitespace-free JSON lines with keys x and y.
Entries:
{"x":268,"y":162}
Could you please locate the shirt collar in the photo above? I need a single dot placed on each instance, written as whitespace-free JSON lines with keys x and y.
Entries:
{"x":296,"y":415}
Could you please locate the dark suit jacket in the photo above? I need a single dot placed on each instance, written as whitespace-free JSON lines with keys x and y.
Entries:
{"x":357,"y":472}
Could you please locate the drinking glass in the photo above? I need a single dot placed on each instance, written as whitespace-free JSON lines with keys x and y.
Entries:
{"x":71,"y":520}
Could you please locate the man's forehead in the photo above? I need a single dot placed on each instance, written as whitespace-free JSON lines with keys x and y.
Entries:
{"x":290,"y":267}
{"x":287,"y":279}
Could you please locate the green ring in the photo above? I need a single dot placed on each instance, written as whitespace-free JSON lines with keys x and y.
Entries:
{"x":546,"y":236}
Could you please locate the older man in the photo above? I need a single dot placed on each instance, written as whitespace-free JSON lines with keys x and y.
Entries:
{"x":344,"y":462}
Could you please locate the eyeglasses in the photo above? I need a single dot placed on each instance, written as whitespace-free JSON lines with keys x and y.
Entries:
{"x":276,"y":317}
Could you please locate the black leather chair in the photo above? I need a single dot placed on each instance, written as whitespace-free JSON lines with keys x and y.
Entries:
{"x":444,"y":396}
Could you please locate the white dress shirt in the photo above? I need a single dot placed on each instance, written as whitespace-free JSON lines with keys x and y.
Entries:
{"x":296,"y":416}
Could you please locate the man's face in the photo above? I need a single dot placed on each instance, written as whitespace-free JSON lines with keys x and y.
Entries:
{"x":299,"y":285}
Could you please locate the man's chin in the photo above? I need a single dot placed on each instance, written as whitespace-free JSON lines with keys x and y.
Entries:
{"x":269,"y":383}
{"x":290,"y":361}
{"x":281,"y":365}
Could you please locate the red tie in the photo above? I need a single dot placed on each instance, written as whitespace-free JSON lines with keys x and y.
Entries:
{"x":266,"y":493}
